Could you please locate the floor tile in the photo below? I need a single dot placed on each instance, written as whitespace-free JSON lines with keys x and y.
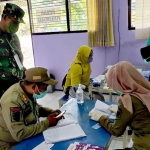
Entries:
{"x":110,"y":148}
{"x":112,"y":143}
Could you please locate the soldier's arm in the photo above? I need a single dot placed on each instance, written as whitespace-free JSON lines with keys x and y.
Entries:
{"x":17,"y":47}
{"x":44,"y":111}
{"x":13,"y":117}
{"x":117,"y":128}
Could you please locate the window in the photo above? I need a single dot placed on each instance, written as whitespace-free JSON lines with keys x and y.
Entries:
{"x":131,"y":14}
{"x":58,"y":16}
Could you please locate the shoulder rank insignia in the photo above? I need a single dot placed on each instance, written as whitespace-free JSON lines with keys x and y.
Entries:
{"x":24,"y":98}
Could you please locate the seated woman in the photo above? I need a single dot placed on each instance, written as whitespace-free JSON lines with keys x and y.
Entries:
{"x":79,"y":73}
{"x":134,"y":105}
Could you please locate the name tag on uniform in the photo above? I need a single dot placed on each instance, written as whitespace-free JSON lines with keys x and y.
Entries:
{"x":27,"y":110}
{"x":18,"y":62}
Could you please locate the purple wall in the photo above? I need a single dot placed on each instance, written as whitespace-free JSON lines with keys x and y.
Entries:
{"x":56,"y":51}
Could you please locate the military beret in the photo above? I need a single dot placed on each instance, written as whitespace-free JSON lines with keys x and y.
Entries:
{"x":14,"y":11}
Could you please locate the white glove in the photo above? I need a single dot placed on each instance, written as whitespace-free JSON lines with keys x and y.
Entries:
{"x":95,"y":115}
{"x":113,"y":108}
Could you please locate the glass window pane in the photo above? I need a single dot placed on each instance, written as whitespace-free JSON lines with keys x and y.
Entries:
{"x":77,"y":15}
{"x":48,"y":16}
{"x":133,"y":14}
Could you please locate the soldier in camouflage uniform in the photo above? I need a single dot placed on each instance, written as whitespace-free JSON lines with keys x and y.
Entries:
{"x":134,"y":105}
{"x":9,"y":46}
{"x":19,"y":111}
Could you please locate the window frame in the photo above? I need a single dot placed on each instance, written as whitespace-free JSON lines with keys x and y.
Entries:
{"x":129,"y":16}
{"x":59,"y":32}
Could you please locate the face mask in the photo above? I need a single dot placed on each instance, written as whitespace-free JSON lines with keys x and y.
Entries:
{"x":146,"y":61}
{"x":41,"y":95}
{"x":13,"y":27}
{"x":118,"y":93}
{"x":90,"y":59}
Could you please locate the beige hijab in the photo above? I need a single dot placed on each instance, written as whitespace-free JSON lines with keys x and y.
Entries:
{"x":125,"y":78}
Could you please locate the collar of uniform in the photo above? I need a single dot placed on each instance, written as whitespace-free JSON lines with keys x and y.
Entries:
{"x":22,"y":94}
{"x":5,"y":34}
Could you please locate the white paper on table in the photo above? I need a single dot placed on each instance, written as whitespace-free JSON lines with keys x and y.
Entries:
{"x":99,"y":105}
{"x":43,"y":146}
{"x":99,"y":78}
{"x":66,"y":121}
{"x":112,"y":116}
{"x":68,"y":132}
{"x":72,"y":147}
{"x":106,"y":114}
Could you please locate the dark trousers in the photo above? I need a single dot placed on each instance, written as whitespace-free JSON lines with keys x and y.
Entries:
{"x":5,"y":84}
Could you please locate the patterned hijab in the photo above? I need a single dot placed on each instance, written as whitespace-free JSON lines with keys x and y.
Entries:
{"x":125,"y":78}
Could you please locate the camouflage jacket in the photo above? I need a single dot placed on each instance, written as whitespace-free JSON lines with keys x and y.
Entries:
{"x":9,"y":69}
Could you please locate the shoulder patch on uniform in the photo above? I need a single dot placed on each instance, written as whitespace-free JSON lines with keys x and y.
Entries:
{"x":24,"y":98}
{"x":16,"y":114}
{"x":119,"y":113}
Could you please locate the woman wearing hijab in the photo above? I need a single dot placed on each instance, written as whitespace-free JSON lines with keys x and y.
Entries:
{"x":134,"y":105}
{"x":79,"y":73}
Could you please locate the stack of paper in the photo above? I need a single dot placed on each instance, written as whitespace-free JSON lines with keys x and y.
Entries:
{"x":102,"y":107}
{"x":66,"y":129}
{"x":43,"y":146}
{"x":84,"y":146}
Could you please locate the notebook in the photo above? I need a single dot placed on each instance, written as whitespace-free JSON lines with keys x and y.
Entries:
{"x":102,"y":107}
{"x":66,"y":129}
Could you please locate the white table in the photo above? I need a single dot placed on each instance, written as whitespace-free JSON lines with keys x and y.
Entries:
{"x":101,"y":90}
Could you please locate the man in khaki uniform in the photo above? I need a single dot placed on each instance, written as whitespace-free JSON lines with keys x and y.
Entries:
{"x":19,"y":111}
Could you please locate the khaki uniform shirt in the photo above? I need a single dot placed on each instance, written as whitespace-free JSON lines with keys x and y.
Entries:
{"x":18,"y":117}
{"x":139,"y":122}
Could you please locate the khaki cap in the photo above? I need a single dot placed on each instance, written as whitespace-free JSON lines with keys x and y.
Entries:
{"x":39,"y":74}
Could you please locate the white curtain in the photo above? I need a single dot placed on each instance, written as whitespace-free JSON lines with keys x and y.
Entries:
{"x":142,"y":22}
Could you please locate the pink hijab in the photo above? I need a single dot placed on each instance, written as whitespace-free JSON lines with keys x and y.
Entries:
{"x":125,"y":78}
